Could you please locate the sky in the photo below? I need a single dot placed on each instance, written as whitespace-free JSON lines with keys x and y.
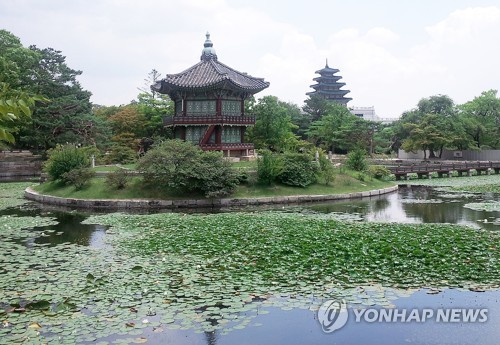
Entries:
{"x":390,"y":53}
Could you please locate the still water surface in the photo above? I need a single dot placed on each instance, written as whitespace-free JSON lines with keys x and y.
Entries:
{"x":297,"y":326}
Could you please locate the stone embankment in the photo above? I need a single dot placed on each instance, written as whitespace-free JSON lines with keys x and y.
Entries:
{"x":116,"y":204}
{"x":15,"y":165}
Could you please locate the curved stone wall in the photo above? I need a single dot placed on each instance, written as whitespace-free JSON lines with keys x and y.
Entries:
{"x":115,"y":204}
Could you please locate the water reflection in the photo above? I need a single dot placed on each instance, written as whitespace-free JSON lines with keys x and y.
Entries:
{"x":68,"y":229}
{"x":416,"y":205}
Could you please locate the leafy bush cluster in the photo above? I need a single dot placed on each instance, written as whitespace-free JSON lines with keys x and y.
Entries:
{"x":121,"y":154}
{"x":326,"y":171}
{"x":184,"y":168}
{"x":79,"y":178}
{"x":293,"y":169}
{"x":269,"y":167}
{"x":70,"y":164}
{"x":118,"y":179}
{"x":64,"y":158}
{"x":378,"y":171}
{"x":356,"y":160}
{"x":298,"y":170}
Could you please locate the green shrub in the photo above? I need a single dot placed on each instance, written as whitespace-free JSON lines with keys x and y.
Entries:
{"x":213,"y":175}
{"x":182,"y":167}
{"x":361,"y":177}
{"x":63,"y":159}
{"x":298,"y":170}
{"x":269,"y":167}
{"x":243,"y":177}
{"x":118,"y":179}
{"x":378,"y":171}
{"x":356,"y":160}
{"x":79,"y":178}
{"x":326,"y":171}
{"x":121,"y":154}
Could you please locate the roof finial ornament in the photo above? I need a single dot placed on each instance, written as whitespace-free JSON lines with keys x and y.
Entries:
{"x":208,"y":51}
{"x":326,"y":65}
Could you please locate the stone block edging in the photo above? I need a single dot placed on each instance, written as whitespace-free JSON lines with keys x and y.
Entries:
{"x":33,"y":195}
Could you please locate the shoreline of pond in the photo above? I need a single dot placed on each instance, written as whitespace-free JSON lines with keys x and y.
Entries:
{"x":158,"y":204}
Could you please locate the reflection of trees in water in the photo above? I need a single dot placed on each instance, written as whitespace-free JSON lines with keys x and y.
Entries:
{"x":359,"y":206}
{"x":435,"y":213}
{"x":417,"y":192}
{"x":380,"y":204}
{"x":68,"y":229}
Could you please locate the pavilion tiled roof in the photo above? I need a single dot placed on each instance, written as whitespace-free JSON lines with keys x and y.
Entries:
{"x":209,"y":73}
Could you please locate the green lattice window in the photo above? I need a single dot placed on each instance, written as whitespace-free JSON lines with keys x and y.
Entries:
{"x":195,"y":133}
{"x":200,"y":107}
{"x":231,"y":107}
{"x":231,"y":134}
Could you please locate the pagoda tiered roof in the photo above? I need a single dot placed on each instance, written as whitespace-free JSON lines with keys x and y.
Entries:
{"x":328,"y":85}
{"x":210,"y":74}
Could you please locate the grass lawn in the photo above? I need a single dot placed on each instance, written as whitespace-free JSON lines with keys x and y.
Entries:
{"x":98,"y":189}
{"x":344,"y":183}
{"x":114,"y":167}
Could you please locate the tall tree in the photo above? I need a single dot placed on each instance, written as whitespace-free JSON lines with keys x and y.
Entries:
{"x":433,"y":126}
{"x":273,"y":128}
{"x":481,"y":119}
{"x":316,"y":106}
{"x":17,"y":63}
{"x":67,"y":117}
{"x":128,"y":126}
{"x":15,"y":106}
{"x":339,"y":131}
{"x":154,"y":106}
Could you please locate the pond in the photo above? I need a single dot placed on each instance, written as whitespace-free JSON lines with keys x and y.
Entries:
{"x":72,"y":277}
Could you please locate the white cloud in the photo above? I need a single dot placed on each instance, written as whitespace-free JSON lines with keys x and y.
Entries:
{"x":116,"y":43}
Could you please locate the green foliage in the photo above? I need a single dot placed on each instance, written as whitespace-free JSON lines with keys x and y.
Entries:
{"x":339,"y":130}
{"x":475,"y":184}
{"x":15,"y":107}
{"x":356,"y":160}
{"x":437,"y":123}
{"x":154,"y":106}
{"x":79,"y":178}
{"x":121,"y":154}
{"x":481,"y":120}
{"x":326,"y":171}
{"x":316,"y":107}
{"x":378,"y":171}
{"x":273,"y":128}
{"x":299,"y":170}
{"x":182,"y":167}
{"x":269,"y":167}
{"x":44,"y":72}
{"x":213,"y":176}
{"x":118,"y":179}
{"x":63,"y":159}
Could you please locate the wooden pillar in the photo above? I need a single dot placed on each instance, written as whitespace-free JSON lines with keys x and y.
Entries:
{"x":242,"y":134}
{"x":218,"y":135}
{"x":242,"y":107}
{"x":218,"y":106}
{"x":184,"y":106}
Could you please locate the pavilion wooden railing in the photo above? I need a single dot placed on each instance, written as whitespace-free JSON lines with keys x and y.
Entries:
{"x":245,"y":120}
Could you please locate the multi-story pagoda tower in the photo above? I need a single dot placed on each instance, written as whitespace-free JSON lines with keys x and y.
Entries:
{"x":209,"y":102}
{"x":328,"y":86}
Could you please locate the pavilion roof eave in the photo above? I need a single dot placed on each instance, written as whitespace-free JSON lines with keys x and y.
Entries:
{"x":165,"y":87}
